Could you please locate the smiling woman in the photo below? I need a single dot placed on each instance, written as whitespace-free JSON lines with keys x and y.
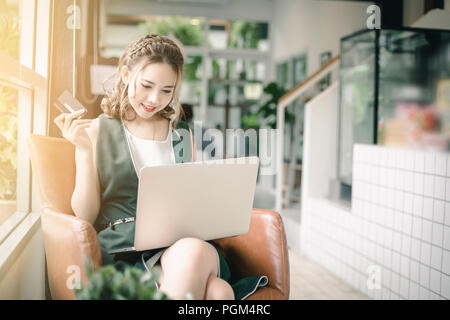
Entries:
{"x":149,"y":97}
{"x":146,"y":84}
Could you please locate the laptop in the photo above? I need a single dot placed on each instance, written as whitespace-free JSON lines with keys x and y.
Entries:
{"x":208,"y":200}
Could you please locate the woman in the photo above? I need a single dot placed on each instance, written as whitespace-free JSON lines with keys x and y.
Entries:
{"x":140,"y":127}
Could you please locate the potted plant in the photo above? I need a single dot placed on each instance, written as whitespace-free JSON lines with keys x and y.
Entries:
{"x":109,"y":283}
{"x":268,"y":110}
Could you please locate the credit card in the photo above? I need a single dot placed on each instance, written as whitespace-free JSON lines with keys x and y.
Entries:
{"x":66,"y":103}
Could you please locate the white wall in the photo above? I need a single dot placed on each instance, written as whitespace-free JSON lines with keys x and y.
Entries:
{"x":437,"y":18}
{"x":24,"y":276}
{"x":398,"y":230}
{"x":320,"y":129}
{"x":314,"y":27}
{"x":434,"y":19}
{"x":398,"y":227}
{"x":412,"y":10}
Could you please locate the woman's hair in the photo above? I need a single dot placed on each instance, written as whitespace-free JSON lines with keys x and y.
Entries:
{"x":139,"y":54}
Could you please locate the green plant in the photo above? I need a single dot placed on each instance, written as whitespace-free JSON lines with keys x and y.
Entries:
{"x":109,"y":283}
{"x":269,"y":109}
{"x":245,"y":34}
{"x":250,"y":121}
{"x":190,"y":68}
{"x":182,"y":29}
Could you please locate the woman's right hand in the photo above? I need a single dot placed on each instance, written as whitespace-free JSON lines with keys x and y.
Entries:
{"x":74,"y":130}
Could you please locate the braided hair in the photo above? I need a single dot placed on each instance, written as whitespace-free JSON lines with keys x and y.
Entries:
{"x":138,"y":54}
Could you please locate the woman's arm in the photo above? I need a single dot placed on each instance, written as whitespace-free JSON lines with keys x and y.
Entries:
{"x":86,"y":196}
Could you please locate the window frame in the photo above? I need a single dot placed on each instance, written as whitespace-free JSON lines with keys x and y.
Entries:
{"x":31,"y":81}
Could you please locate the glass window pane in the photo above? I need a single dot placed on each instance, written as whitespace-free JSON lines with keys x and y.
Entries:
{"x":8,"y":151}
{"x":224,"y":34}
{"x":10,"y":28}
{"x":283,"y":75}
{"x":299,"y":69}
{"x":413,"y":107}
{"x":357,"y":80}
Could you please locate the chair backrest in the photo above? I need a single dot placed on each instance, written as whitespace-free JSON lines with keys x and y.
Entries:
{"x":68,"y":240}
{"x":53,"y":163}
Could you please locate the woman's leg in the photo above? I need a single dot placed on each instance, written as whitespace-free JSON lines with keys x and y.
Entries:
{"x":218,"y":289}
{"x":186,"y":267}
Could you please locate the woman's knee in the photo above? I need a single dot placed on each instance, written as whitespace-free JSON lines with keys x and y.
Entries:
{"x":190,"y":250}
{"x":218,"y":289}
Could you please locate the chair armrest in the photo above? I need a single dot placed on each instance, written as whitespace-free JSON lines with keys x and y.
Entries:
{"x":68,"y":240}
{"x":262,"y":250}
{"x":54,"y":170}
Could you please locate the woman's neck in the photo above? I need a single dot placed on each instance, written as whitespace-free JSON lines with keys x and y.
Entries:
{"x":154,"y":128}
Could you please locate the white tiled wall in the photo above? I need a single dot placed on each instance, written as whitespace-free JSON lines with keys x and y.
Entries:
{"x":397,"y":232}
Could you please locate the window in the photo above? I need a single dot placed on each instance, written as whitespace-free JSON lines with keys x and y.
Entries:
{"x":10,"y":35}
{"x":10,"y":28}
{"x":24,"y":24}
{"x":357,"y":83}
{"x":283,"y":78}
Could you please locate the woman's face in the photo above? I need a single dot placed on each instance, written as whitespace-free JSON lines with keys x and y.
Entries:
{"x":155,"y":85}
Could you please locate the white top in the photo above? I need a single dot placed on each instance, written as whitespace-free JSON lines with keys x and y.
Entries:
{"x":146,"y":152}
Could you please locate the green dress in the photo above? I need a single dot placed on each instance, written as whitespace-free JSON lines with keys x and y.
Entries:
{"x":119,"y":185}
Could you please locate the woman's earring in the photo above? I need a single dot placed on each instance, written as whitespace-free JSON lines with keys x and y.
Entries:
{"x":172,"y":104}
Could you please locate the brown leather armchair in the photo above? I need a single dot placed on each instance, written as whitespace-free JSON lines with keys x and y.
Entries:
{"x":68,"y":239}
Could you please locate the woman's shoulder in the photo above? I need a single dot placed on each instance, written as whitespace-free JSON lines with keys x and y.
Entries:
{"x":103,"y":117}
{"x":107,"y":124}
{"x":94,"y":128}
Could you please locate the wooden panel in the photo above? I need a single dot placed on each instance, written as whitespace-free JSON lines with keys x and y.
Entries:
{"x":61,"y":62}
{"x":89,"y":11}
